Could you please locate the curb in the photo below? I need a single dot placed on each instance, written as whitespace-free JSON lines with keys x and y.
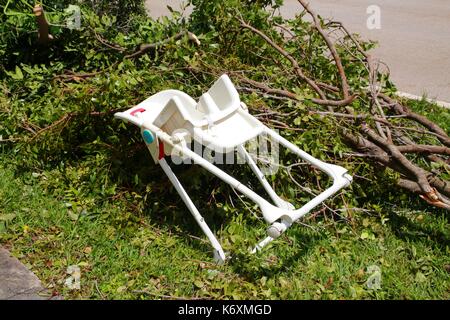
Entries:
{"x":441,"y":104}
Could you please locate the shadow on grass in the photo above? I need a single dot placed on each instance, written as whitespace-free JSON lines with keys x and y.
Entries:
{"x":276,"y":259}
{"x":412,"y":231}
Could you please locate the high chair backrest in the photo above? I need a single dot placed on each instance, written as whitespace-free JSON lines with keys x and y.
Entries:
{"x":220,"y":100}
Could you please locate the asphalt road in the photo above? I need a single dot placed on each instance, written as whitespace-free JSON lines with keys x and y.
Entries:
{"x":414,"y":38}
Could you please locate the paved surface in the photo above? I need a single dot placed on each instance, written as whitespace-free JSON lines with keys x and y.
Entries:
{"x":16,"y":281}
{"x":414,"y":39}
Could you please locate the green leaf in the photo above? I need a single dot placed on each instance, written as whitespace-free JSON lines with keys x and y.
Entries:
{"x":364,"y":235}
{"x":7,"y":217}
{"x":420,"y":277}
{"x":73,"y":216}
{"x":18,"y":75}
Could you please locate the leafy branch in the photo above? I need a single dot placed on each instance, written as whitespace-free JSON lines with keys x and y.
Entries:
{"x":386,"y":144}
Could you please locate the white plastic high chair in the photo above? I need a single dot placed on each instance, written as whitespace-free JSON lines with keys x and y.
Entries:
{"x":170,"y":119}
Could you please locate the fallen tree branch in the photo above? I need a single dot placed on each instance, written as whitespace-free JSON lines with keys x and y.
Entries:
{"x":66,"y":118}
{"x":424,"y":121}
{"x":437,"y":159}
{"x":393,"y":151}
{"x":424,"y":149}
{"x":288,"y":56}
{"x":144,"y":48}
{"x":331,"y":47}
{"x":418,"y":130}
{"x":284,"y":93}
{"x":360,"y":116}
{"x":415,"y":188}
{"x":108,"y":44}
{"x":69,"y":75}
{"x":44,"y":37}
{"x":55,"y":124}
{"x":374,"y":152}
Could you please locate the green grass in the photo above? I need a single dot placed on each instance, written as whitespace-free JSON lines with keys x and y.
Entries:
{"x":128,"y":256}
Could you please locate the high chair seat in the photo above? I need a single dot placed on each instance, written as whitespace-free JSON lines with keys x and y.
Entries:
{"x":217,"y":121}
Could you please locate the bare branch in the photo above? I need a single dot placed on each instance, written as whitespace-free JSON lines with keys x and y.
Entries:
{"x":331,"y":47}
{"x":424,"y":149}
{"x":393,"y":151}
{"x":361,"y":116}
{"x":430,"y":125}
{"x":144,"y":48}
{"x":293,"y":96}
{"x":288,"y":56}
{"x":44,"y":37}
{"x":415,"y":188}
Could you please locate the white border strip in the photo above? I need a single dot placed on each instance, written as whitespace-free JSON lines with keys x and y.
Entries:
{"x":442,"y":104}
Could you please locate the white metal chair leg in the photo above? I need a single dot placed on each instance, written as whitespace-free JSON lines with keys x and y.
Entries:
{"x":219,"y":254}
{"x":339,"y":175}
{"x":279,"y":218}
{"x":262,"y":244}
{"x":261,"y":177}
{"x":271,"y":213}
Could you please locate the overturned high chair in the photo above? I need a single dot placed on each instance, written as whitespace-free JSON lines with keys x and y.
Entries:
{"x":219,"y":120}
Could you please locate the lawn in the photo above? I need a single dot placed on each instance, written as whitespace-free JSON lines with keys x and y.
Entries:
{"x":124,"y":252}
